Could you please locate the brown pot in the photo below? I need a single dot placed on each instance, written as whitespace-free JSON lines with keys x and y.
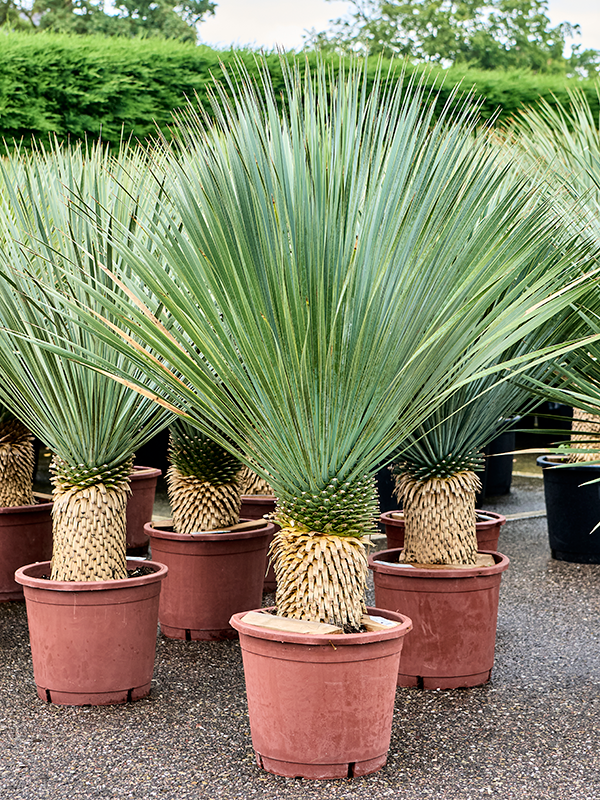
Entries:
{"x":92,"y":643}
{"x":211,"y":576}
{"x":487,"y":528}
{"x":321,"y":706}
{"x":139,"y":508}
{"x":25,"y":537}
{"x":454,"y":613}
{"x":257,"y":506}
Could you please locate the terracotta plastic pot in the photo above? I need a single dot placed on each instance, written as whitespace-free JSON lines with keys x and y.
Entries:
{"x":255,"y":506}
{"x":92,"y":643}
{"x":572,"y":510}
{"x":211,"y":576}
{"x":487,"y":528}
{"x":25,"y":536}
{"x":454,"y":613}
{"x":321,"y":706}
{"x":139,"y":508}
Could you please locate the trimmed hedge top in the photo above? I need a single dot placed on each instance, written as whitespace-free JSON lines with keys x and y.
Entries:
{"x":89,"y":86}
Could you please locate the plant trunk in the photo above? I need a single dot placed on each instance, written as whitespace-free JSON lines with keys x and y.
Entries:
{"x":585,"y":434}
{"x":439,"y":518}
{"x":253,"y":484}
{"x":198,"y":505}
{"x":89,"y":528}
{"x":17,"y":459}
{"x":320,"y":577}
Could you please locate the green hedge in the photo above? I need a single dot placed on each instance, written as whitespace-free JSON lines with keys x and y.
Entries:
{"x":78,"y":86}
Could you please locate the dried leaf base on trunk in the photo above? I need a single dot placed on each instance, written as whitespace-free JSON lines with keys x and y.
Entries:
{"x":487,"y":529}
{"x":439,"y":519}
{"x":198,"y":505}
{"x":17,"y":460}
{"x":89,"y":534}
{"x":320,"y":577}
{"x":585,"y":435}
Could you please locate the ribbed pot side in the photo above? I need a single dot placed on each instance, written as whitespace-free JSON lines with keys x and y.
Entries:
{"x":140,"y":506}
{"x":572,"y":511}
{"x":211,"y":576}
{"x":92,"y":642}
{"x":454,"y":613}
{"x":25,"y":537}
{"x":321,"y":706}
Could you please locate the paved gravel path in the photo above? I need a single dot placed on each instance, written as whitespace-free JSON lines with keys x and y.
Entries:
{"x":533,"y":732}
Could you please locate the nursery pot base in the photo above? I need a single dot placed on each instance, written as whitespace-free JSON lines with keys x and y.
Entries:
{"x":289,"y":769}
{"x":572,"y":510}
{"x":258,"y":506}
{"x":92,"y":643}
{"x":321,"y":705}
{"x":139,"y":508}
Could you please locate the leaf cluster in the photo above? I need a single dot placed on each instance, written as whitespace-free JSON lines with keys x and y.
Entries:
{"x":336,"y":271}
{"x":86,"y":418}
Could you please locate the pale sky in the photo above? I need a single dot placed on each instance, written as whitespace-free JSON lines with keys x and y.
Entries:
{"x":267,"y":23}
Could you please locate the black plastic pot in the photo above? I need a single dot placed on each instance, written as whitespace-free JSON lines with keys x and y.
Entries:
{"x":573,"y":510}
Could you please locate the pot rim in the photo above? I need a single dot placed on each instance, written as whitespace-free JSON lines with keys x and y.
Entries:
{"x":144,"y":472}
{"x":546,"y":462}
{"x":387,"y":519}
{"x":335,"y":640}
{"x":249,"y":533}
{"x":40,"y":505}
{"x":23,"y":576}
{"x":392,"y":568}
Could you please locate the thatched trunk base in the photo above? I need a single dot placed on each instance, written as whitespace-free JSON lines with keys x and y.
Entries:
{"x":17,"y":460}
{"x":198,"y":505}
{"x":585,"y":434}
{"x":439,"y":519}
{"x":89,"y":531}
{"x":320,"y":577}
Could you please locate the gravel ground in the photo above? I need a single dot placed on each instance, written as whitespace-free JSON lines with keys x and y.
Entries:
{"x":530,"y":733}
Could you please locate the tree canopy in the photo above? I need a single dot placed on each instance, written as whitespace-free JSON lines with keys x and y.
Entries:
{"x":171,"y":19}
{"x":489,"y":34}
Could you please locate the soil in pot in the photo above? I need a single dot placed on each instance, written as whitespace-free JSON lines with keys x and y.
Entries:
{"x":454,"y":612}
{"x":487,"y":527}
{"x":25,"y":537}
{"x":211,"y":576}
{"x":92,"y":643}
{"x":572,"y":510}
{"x":321,"y":706}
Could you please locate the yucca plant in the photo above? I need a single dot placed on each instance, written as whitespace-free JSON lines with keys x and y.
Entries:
{"x":203,"y":481}
{"x":436,"y":470}
{"x":564,"y":142}
{"x":17,"y":461}
{"x":92,"y":424}
{"x":331,"y":279}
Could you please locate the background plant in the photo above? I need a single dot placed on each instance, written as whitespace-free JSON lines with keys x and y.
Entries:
{"x":564,"y":142}
{"x":90,"y":86}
